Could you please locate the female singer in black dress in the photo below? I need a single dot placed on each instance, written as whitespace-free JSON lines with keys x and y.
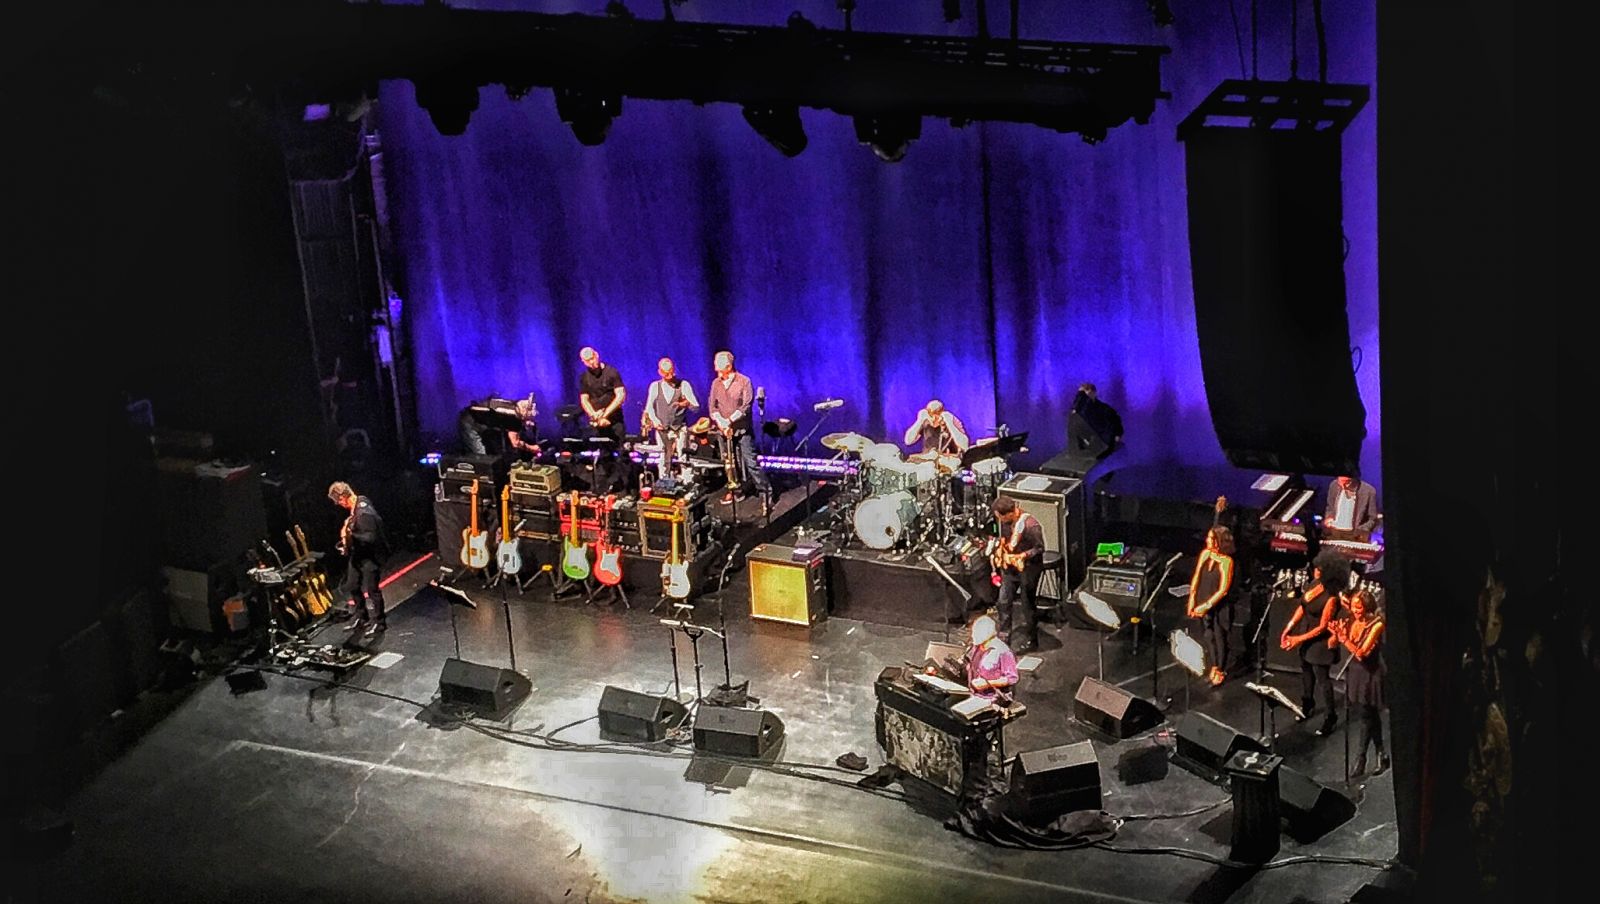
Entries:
{"x":1362,"y":635}
{"x":1329,"y":575}
{"x":1211,"y":598}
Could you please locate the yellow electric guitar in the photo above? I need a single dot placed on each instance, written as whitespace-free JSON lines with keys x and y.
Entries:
{"x":309,"y":585}
{"x":574,"y":553}
{"x":474,"y":542}
{"x":675,"y":570}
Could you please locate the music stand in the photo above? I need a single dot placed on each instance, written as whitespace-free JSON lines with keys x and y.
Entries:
{"x":1009,"y":444}
{"x":1271,"y":699}
{"x":457,"y":598}
{"x":1100,"y":611}
{"x":1187,"y":652}
{"x":966,"y":596}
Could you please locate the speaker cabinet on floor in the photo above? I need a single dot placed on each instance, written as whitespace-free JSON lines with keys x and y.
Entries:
{"x":631,"y":716}
{"x":485,"y":690}
{"x":1310,"y":808}
{"x":783,"y":589}
{"x":732,"y":731}
{"x":1205,"y":744}
{"x":1047,"y":783}
{"x":1111,"y":710}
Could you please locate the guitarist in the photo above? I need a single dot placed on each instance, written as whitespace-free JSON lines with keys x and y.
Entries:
{"x":361,"y":541}
{"x":1019,"y":562}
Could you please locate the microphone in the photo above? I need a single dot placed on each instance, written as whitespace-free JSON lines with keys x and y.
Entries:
{"x":761,"y":393}
{"x":1175,"y":557}
{"x":827,"y":404}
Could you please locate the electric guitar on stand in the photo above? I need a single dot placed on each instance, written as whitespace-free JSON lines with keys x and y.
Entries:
{"x":508,"y":557}
{"x":474,"y":542}
{"x":607,"y":555}
{"x":314,"y":599}
{"x":675,"y":570}
{"x":319,"y":579}
{"x":574,"y":555}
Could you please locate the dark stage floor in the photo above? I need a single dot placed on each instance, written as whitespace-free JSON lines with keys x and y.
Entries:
{"x":306,"y":790}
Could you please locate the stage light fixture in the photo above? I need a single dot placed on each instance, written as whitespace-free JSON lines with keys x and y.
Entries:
{"x":1099,"y":610}
{"x":589,"y":112}
{"x":449,"y":102}
{"x":1188,"y":652}
{"x":889,"y":134}
{"x":779,"y":124}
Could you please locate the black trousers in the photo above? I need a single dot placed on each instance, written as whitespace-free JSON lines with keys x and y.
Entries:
{"x":1216,"y":625}
{"x":1015,"y":604}
{"x":1371,"y":729}
{"x":1311,"y":676}
{"x":361,"y":587}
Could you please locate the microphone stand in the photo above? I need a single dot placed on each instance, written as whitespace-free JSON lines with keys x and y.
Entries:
{"x":1148,"y":606}
{"x":1261,"y":652}
{"x":966,"y":596}
{"x":800,"y":446}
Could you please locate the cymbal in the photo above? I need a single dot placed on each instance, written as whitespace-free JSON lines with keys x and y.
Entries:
{"x":846,"y":442}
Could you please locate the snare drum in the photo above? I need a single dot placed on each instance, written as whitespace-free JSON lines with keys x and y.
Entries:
{"x":883,"y":521}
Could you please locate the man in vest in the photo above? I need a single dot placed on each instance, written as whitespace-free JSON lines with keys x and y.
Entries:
{"x":666,"y":412}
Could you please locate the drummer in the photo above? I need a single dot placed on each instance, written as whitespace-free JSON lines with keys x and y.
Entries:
{"x":941,"y":433}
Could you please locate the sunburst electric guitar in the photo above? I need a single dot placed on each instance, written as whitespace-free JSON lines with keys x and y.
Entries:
{"x":675,"y":570}
{"x":507,"y":556}
{"x":607,"y":555}
{"x":474,"y":542}
{"x":574,"y":554}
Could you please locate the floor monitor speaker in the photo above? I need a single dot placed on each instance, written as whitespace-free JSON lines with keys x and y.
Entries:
{"x":1047,"y":783}
{"x":1111,"y":710}
{"x":1310,"y":808}
{"x":1205,"y":744}
{"x":486,"y":690}
{"x":630,"y":715}
{"x":734,"y":731}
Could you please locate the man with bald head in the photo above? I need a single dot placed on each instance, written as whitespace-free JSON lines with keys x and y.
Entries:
{"x":666,"y":412}
{"x":601,"y":394}
{"x":939,"y":431}
{"x":731,"y":398}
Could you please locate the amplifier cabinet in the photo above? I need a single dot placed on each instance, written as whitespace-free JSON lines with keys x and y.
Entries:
{"x":528,"y":478}
{"x":785,"y":590}
{"x":1061,"y":505}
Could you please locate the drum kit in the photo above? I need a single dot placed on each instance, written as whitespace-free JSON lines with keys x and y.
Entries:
{"x":895,"y":502}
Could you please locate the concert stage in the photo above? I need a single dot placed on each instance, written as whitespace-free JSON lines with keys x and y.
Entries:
{"x":358,"y":791}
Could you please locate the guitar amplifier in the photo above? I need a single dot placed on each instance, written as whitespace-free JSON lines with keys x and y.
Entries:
{"x":535,"y":480}
{"x":1061,"y":505}
{"x":784,"y":588}
{"x":1125,"y":581}
{"x":457,"y":472}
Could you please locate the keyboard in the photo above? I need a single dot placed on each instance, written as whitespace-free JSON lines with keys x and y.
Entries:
{"x":1288,"y":541}
{"x":1354,"y":549}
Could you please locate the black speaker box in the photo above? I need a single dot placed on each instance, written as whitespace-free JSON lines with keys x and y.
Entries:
{"x":1266,"y":249}
{"x":451,"y":517}
{"x":1111,"y":710}
{"x":733,"y":731}
{"x":1310,"y":808}
{"x":1047,"y":783}
{"x":487,"y":690}
{"x":1205,"y":744}
{"x":630,"y":715}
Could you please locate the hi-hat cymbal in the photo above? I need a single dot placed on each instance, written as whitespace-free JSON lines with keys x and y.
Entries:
{"x":846,"y":442}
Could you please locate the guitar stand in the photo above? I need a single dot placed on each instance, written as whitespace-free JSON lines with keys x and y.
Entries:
{"x":594,"y":590}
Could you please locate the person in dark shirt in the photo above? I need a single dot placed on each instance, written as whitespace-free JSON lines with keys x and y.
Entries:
{"x":1211,"y":598}
{"x":731,"y":398}
{"x":1019,"y":562}
{"x":479,"y":438}
{"x":362,"y":542}
{"x":1352,"y":507}
{"x":1101,"y":417}
{"x":601,"y":395}
{"x":1329,"y":576}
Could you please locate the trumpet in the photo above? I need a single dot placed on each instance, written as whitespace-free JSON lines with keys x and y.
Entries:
{"x":730,"y":462}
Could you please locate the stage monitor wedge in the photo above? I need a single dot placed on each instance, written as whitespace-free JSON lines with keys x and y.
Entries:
{"x":632,"y":716}
{"x":734,"y":731}
{"x":1205,"y":744}
{"x":1112,"y":711}
{"x":486,"y":691}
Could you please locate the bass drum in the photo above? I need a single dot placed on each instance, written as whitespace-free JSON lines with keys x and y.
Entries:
{"x":883,"y":521}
